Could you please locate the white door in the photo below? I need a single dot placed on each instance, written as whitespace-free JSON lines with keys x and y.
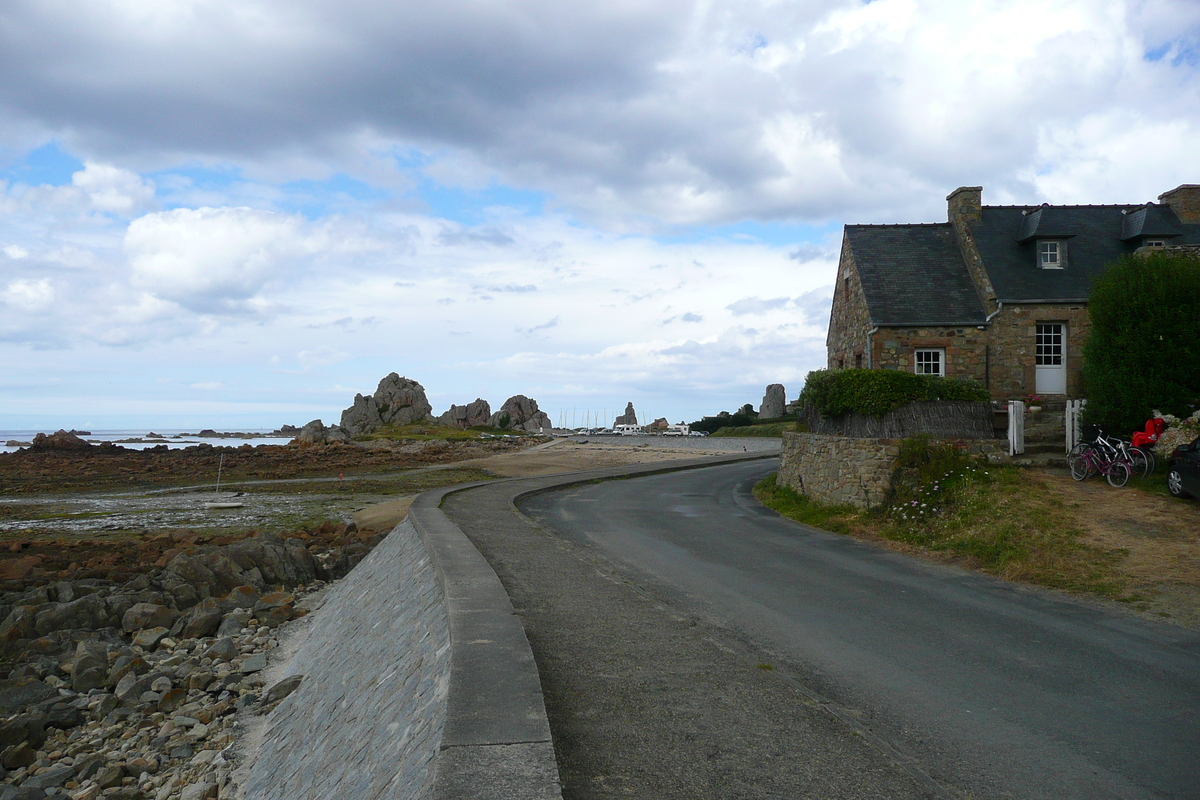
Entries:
{"x":1051,"y":358}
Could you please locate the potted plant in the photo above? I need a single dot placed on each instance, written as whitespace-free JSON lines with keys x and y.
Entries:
{"x":1033,"y":403}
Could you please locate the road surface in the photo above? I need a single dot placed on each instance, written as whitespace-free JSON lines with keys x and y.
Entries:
{"x":973,"y":686}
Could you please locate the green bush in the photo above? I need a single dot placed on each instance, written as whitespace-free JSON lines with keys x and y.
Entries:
{"x":875,"y":392}
{"x":746,"y":415}
{"x":1143,"y":352}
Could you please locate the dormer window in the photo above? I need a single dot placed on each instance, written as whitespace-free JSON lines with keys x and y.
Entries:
{"x":1052,"y":254}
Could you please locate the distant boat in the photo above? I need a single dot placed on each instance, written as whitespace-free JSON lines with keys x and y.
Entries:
{"x":219,"y":504}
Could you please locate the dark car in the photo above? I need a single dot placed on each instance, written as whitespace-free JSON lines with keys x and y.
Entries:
{"x":1183,"y":478}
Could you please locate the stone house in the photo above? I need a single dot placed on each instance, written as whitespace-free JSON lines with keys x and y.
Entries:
{"x":997,"y":293}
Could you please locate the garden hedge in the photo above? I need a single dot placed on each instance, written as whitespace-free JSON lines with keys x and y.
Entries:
{"x":875,"y":392}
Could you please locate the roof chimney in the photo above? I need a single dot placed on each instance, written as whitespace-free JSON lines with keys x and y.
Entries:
{"x":966,"y":204}
{"x":1184,"y":200}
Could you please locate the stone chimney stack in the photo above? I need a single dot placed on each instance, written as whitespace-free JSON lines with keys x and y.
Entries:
{"x":965,"y":204}
{"x":1184,"y":200}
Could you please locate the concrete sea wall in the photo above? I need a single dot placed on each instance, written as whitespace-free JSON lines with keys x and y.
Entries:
{"x":367,"y":720}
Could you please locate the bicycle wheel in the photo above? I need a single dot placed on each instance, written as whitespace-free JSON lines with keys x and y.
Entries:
{"x":1141,"y":463}
{"x":1081,"y":463}
{"x":1117,"y":474}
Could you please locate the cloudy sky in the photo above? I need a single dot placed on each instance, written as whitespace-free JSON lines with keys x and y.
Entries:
{"x":239,"y":213}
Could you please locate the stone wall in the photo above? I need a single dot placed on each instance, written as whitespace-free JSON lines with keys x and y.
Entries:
{"x":966,"y":354}
{"x":849,"y":320}
{"x":1014,"y":345}
{"x":852,"y":471}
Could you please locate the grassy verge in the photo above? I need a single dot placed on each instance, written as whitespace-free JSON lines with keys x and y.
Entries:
{"x":999,"y":520}
{"x":765,"y":429}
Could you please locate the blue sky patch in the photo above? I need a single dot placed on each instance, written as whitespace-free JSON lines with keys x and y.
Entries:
{"x":49,"y":165}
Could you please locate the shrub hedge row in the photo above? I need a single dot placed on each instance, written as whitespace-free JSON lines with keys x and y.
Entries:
{"x":875,"y":392}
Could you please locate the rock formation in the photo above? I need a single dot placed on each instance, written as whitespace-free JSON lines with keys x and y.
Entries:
{"x":519,"y":413}
{"x":467,"y":416}
{"x":315,"y":432}
{"x":62,"y":440}
{"x":659,"y":424}
{"x":628,"y":418}
{"x":773,"y":402}
{"x":397,"y":401}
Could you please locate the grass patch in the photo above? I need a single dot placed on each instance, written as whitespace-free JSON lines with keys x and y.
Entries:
{"x":793,"y":505}
{"x":1003,"y":521}
{"x":766,"y":429}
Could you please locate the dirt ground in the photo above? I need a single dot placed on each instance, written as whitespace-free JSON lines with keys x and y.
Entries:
{"x":1159,"y":535}
{"x":562,"y":455}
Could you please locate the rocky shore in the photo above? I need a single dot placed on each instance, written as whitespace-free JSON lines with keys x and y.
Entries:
{"x":134,"y":689}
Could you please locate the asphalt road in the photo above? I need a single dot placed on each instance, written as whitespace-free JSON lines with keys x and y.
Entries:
{"x":977,"y":686}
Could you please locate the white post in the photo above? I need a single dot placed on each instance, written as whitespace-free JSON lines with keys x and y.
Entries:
{"x":1074,"y":430}
{"x":1016,"y":427}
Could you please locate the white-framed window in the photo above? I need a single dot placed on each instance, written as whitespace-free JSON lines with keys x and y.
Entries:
{"x":1154,"y":243}
{"x":930,"y":361}
{"x":1051,"y":254}
{"x":1049,"y":344}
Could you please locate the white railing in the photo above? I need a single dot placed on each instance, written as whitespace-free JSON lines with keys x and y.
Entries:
{"x":1016,"y":427}
{"x":1074,"y":429}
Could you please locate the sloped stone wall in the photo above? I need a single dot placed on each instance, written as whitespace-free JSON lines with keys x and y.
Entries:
{"x":850,"y":470}
{"x":367,"y":719}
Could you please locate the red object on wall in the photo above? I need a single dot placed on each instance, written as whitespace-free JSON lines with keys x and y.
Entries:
{"x":1154,"y":429}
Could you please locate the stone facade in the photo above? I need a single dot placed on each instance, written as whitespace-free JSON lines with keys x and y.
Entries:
{"x":850,"y":320}
{"x":851,"y":471}
{"x":1012,"y":339}
{"x":966,"y":349}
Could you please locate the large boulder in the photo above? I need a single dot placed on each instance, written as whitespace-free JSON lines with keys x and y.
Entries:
{"x":774,"y":402}
{"x":315,"y":432}
{"x":476,"y":413}
{"x":628,"y":418}
{"x":60,"y":440}
{"x":520,"y":413}
{"x":397,"y":401}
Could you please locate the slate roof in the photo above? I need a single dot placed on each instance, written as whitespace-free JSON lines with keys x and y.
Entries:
{"x":1007,"y":239}
{"x":1150,"y":220}
{"x":914,"y":275}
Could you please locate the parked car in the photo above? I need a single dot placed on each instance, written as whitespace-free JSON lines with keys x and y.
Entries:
{"x":1183,"y":475}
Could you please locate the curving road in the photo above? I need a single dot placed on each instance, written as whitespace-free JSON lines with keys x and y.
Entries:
{"x":973,"y":686}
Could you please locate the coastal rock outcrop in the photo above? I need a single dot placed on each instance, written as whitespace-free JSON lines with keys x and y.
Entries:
{"x":315,"y":432}
{"x":520,"y":413}
{"x":60,"y":440}
{"x":628,"y":418}
{"x":397,"y":401}
{"x":476,"y":413}
{"x":773,"y":402}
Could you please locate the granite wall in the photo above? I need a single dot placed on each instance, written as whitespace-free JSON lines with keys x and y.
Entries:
{"x":853,"y":471}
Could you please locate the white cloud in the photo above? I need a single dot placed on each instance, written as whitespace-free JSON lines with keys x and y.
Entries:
{"x":112,"y":189}
{"x":15,"y":252}
{"x":212,"y":258}
{"x":28,"y":295}
{"x":208,"y":386}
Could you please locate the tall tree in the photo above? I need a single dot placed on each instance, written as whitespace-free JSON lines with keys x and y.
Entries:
{"x":1143,"y":352}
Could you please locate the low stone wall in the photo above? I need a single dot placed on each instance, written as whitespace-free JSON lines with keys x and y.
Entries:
{"x":367,"y":719}
{"x":854,"y":471}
